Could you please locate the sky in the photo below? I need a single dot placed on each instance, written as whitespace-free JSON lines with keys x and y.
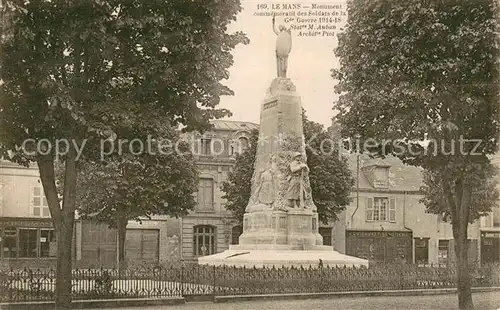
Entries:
{"x":309,"y":66}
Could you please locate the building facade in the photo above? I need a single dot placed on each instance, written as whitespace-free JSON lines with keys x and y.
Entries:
{"x":386,"y":222}
{"x":27,"y":235}
{"x":210,"y":228}
{"x":490,"y":227}
{"x":26,"y":232}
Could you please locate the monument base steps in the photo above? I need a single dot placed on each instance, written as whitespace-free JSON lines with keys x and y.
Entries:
{"x":282,"y":258}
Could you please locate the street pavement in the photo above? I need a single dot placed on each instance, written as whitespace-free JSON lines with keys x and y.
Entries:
{"x":482,"y":301}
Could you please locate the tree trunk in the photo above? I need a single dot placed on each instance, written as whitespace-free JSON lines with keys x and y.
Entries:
{"x":63,"y":220}
{"x":122,"y":232}
{"x":460,"y":224}
{"x":464,"y":279}
{"x":64,"y":264}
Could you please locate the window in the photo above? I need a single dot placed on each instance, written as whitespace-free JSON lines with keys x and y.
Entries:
{"x":326,"y":233}
{"x":443,"y":253}
{"x":231,"y":149}
{"x":203,"y":240}
{"x":206,"y":146}
{"x":9,"y":246}
{"x":28,"y":243}
{"x":48,"y":243}
{"x":487,"y":220}
{"x":381,"y":209}
{"x":421,"y":251}
{"x":236,"y":233}
{"x":496,"y":216}
{"x":381,"y":177}
{"x":39,"y":205}
{"x":206,"y":194}
{"x":243,"y":144}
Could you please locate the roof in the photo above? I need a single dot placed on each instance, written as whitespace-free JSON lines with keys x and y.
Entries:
{"x":402,"y":177}
{"x":233,"y":125}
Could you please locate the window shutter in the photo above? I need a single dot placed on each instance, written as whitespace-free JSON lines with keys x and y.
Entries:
{"x":207,"y":194}
{"x":210,"y":185}
{"x":45,"y":206}
{"x":392,"y":210}
{"x":369,"y":209}
{"x":1,"y":198}
{"x":199,"y":193}
{"x":35,"y":201}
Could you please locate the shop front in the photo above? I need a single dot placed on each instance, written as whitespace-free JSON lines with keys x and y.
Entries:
{"x":27,"y":242}
{"x":380,"y":246}
{"x":490,"y":246}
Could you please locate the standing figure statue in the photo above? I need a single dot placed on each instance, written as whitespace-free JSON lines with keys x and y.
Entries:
{"x":266,"y":190}
{"x":295,"y":192}
{"x":283,"y":48}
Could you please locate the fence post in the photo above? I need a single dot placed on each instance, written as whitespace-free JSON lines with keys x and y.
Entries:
{"x":214,"y":289}
{"x":182,"y":278}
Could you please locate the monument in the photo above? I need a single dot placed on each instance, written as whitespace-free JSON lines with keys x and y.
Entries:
{"x":280,"y":225}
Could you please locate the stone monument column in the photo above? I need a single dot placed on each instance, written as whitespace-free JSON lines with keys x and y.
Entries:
{"x":281,"y":212}
{"x":280,"y":225}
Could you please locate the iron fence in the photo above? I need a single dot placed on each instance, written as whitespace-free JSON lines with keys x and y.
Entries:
{"x":193,"y":279}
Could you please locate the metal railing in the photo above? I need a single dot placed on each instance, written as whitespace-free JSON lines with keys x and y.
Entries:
{"x":192,"y":279}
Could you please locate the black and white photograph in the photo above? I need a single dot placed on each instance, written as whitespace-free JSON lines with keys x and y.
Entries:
{"x":247,"y":154}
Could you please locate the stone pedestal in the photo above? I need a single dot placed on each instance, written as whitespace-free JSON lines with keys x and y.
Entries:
{"x":295,"y":228}
{"x":280,"y":225}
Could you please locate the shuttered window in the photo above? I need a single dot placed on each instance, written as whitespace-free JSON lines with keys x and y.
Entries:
{"x":369,"y":209}
{"x":39,"y":205}
{"x":392,"y":210}
{"x":205,"y":194}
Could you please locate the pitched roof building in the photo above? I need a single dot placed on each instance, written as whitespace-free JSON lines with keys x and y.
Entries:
{"x":387,"y":222}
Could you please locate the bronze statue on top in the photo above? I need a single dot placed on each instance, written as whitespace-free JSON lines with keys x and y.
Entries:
{"x":283,"y":48}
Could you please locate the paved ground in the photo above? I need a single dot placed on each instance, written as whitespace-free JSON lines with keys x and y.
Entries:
{"x":482,"y":301}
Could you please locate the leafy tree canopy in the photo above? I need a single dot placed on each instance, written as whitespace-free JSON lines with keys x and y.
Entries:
{"x":412,"y":72}
{"x":484,"y":195}
{"x":161,"y":182}
{"x":81,"y":69}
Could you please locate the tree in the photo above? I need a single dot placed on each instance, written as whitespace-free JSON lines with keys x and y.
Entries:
{"x":137,"y":186}
{"x":411,"y":72}
{"x":330,"y":177}
{"x":81,"y":71}
{"x":238,"y":189}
